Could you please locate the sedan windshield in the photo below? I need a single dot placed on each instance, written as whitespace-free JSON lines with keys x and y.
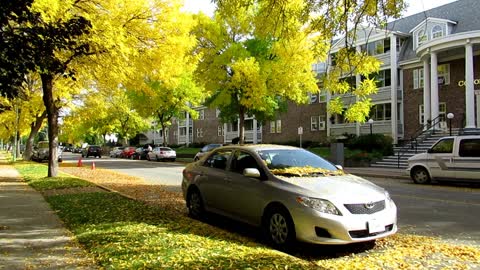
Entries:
{"x":297,"y":162}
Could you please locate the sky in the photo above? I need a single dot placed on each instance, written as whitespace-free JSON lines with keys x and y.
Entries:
{"x":414,"y":6}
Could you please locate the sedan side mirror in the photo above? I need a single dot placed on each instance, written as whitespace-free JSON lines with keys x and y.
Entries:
{"x":251,"y":172}
{"x":340,"y":167}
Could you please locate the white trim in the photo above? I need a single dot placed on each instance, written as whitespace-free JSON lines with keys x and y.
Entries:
{"x":430,"y":19}
{"x":448,"y":42}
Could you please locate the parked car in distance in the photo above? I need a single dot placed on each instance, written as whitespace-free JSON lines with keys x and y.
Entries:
{"x":140,"y":153}
{"x":454,"y":158}
{"x":116,"y":152}
{"x":207,"y":148}
{"x":128,"y":152}
{"x":289,"y":192}
{"x":41,"y":151}
{"x":162,"y":153}
{"x":92,"y":151}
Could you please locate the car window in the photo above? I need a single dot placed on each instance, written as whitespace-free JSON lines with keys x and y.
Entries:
{"x":469,"y":148}
{"x":242,"y":160}
{"x":218,"y":159}
{"x":166,"y":149}
{"x":444,"y":146}
{"x":297,"y":162}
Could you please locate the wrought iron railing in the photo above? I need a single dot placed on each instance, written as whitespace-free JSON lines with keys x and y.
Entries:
{"x":418,"y":137}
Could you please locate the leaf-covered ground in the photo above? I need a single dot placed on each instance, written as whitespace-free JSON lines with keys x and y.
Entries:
{"x":152,"y":231}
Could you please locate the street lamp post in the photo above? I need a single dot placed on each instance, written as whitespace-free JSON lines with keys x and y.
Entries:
{"x":450,"y":117}
{"x":370,"y":122}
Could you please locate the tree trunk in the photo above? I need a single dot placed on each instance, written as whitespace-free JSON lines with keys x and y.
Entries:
{"x":241,"y":126}
{"x":52,"y":115}
{"x":34,"y":128}
{"x":164,"y":133}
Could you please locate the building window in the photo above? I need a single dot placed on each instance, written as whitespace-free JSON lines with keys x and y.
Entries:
{"x":381,"y":112}
{"x":418,"y":78}
{"x":444,"y":74}
{"x":248,"y":124}
{"x":383,"y":78}
{"x":220,"y":131}
{"x":317,"y":123}
{"x":183,"y":131}
{"x":199,"y":132}
{"x":421,"y":37}
{"x":232,"y":127}
{"x":276,"y":126}
{"x":321,"y":122}
{"x":312,"y":98}
{"x":201,"y":115}
{"x":377,"y":47}
{"x":442,"y":112}
{"x":437,"y":31}
{"x":322,"y":96}
{"x":314,"y":123}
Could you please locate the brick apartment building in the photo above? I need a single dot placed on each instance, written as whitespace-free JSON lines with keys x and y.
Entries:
{"x":431,"y":67}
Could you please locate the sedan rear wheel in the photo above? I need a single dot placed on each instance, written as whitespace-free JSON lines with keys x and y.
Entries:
{"x":195,"y":204}
{"x":420,"y":175}
{"x":278,"y":228}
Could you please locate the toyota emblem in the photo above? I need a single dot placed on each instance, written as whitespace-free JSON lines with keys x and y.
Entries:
{"x":369,"y":205}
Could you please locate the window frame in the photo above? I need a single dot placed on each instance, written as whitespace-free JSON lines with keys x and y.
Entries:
{"x":435,"y":31}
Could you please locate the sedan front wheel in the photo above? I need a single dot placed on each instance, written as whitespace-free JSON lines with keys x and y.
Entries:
{"x":278,"y":227}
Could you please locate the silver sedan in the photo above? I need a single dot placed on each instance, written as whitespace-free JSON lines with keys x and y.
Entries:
{"x":291,"y":193}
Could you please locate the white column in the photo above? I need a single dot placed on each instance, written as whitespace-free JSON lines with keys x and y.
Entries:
{"x":225,"y":133}
{"x":426,"y":92}
{"x":358,"y":80}
{"x":187,"y":124}
{"x":393,"y":87}
{"x":434,"y":85}
{"x":469,"y":93}
{"x":255,"y":139}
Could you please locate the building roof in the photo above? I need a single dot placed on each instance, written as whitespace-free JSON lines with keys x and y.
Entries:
{"x":464,"y":12}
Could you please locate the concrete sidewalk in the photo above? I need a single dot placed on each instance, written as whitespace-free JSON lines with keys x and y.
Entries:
{"x":31,"y":234}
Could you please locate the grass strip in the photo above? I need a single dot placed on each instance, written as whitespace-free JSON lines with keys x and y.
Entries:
{"x":128,"y":234}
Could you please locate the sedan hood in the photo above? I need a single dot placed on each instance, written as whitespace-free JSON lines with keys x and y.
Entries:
{"x":346,"y":188}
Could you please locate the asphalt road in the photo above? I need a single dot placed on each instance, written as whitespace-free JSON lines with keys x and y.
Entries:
{"x":448,"y":211}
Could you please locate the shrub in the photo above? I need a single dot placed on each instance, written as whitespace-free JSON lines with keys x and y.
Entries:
{"x":372,"y":143}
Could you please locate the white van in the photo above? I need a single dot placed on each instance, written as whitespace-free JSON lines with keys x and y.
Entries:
{"x":450,"y":158}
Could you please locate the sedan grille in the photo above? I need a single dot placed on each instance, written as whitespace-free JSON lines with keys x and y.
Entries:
{"x":365,"y":233}
{"x":365,"y":208}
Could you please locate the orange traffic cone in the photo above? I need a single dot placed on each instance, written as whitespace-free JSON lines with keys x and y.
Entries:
{"x":93,"y":165}
{"x":79,"y":164}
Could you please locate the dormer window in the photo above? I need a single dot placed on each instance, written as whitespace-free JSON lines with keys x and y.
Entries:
{"x":421,"y":37}
{"x":437,"y":31}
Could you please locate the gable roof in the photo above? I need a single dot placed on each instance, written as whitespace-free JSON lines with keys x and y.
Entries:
{"x":464,"y":12}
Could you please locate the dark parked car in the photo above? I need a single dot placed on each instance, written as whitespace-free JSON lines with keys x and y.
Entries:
{"x":207,"y":148}
{"x":140,"y":153}
{"x":92,"y":151}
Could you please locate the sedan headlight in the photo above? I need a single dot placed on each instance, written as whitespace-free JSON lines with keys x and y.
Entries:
{"x":320,"y":205}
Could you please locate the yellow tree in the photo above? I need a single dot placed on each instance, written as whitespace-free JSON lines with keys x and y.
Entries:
{"x":250,"y":73}
{"x":94,"y":43}
{"x":314,"y":25}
